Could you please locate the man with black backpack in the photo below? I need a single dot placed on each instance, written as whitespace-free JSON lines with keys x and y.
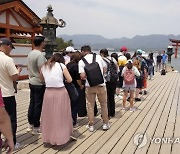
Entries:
{"x":91,"y":69}
{"x":111,"y":76}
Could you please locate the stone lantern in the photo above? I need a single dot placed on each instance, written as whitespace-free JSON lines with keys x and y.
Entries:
{"x":49,"y":24}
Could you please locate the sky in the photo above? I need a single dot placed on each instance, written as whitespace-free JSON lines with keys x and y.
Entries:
{"x":113,"y":18}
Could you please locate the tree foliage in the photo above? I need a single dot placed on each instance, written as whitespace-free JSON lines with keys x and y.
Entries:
{"x":61,"y":44}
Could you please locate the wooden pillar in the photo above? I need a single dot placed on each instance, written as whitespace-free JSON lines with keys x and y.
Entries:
{"x":32,"y":37}
{"x":7,"y":22}
{"x":176,"y":50}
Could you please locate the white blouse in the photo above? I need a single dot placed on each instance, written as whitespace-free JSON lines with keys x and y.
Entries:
{"x":53,"y":77}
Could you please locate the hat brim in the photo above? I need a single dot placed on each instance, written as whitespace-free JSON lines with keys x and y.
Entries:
{"x":12,"y":46}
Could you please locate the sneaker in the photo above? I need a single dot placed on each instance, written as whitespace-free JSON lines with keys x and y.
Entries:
{"x":145,"y":92}
{"x":30,"y":128}
{"x":91,"y":128}
{"x":73,"y":138}
{"x":118,"y":96}
{"x":17,"y":146}
{"x":140,"y":92}
{"x":123,"y":108}
{"x":76,"y":125}
{"x":36,"y":131}
{"x":112,"y":115}
{"x":137,"y":99}
{"x":106,"y":126}
{"x":132,"y":109}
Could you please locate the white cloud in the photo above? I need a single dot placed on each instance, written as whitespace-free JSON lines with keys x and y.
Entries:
{"x":113,"y":18}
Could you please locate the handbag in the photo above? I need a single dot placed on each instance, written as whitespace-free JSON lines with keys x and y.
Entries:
{"x":71,"y":89}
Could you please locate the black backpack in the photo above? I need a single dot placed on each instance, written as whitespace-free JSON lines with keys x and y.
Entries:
{"x":163,"y":72}
{"x":111,"y":74}
{"x":93,"y":72}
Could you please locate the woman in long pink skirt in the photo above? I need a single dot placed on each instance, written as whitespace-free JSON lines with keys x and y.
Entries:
{"x":56,"y":119}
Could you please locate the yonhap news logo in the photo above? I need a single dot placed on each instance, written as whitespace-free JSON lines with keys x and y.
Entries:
{"x":141,"y":139}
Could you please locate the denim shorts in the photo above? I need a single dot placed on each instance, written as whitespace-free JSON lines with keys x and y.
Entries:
{"x":129,"y":87}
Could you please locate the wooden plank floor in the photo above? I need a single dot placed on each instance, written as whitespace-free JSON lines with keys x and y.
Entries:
{"x":153,"y":129}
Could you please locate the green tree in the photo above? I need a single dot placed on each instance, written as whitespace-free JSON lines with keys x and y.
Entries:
{"x":61,"y":44}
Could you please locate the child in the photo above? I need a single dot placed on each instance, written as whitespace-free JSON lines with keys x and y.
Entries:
{"x":129,"y":83}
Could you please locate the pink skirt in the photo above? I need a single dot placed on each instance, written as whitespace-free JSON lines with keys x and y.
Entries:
{"x":56,"y":119}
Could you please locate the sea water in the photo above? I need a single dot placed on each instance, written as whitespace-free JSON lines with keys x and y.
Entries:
{"x":175,"y":62}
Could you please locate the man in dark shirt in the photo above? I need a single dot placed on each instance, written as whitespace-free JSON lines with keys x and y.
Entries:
{"x":159,"y":62}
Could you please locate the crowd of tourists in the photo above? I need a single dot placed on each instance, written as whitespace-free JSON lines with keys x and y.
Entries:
{"x":69,"y":85}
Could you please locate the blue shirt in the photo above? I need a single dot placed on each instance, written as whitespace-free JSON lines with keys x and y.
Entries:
{"x":164,"y":58}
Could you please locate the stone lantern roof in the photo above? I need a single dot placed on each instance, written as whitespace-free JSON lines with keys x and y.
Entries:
{"x":51,"y":20}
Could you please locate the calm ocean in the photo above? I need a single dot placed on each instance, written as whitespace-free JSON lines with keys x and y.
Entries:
{"x":176,"y":62}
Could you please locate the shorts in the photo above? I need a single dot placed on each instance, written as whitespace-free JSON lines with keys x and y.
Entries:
{"x":129,"y":87}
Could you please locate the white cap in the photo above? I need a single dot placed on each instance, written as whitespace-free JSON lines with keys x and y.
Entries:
{"x":129,"y":61}
{"x":70,"y":49}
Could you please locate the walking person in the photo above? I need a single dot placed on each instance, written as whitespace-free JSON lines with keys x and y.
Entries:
{"x":95,"y":87}
{"x":35,"y":60}
{"x":8,"y":74}
{"x":5,"y":128}
{"x":56,"y":119}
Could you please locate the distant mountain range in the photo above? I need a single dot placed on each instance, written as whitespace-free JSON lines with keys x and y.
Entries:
{"x":147,"y":42}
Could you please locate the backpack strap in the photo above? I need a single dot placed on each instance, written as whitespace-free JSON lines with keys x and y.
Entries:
{"x":111,"y":60}
{"x":105,"y":60}
{"x":62,"y":72}
{"x":85,"y":61}
{"x":94,"y":57}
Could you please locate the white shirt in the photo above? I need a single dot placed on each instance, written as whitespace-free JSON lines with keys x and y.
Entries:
{"x":7,"y":69}
{"x":89,"y":58}
{"x":134,"y":69}
{"x":136,"y":73}
{"x":67,"y":59}
{"x":53,"y":77}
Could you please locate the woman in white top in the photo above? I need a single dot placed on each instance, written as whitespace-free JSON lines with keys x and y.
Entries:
{"x":56,"y":119}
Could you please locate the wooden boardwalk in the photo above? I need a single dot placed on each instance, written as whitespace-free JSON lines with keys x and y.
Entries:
{"x":157,"y":117}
